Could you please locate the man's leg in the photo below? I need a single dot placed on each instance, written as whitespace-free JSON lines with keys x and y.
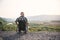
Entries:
{"x":26,"y":29}
{"x":19,"y":29}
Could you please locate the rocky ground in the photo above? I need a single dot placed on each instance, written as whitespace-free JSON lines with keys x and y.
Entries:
{"x":11,"y":35}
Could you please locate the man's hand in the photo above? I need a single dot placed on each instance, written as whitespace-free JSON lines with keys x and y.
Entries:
{"x":17,"y":23}
{"x":26,"y":24}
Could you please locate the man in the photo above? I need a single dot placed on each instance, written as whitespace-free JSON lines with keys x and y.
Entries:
{"x":22,"y":23}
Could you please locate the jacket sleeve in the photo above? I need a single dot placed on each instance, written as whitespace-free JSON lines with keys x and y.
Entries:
{"x":26,"y":20}
{"x":16,"y":20}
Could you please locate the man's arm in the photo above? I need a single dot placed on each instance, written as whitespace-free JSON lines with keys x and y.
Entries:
{"x":26,"y":21}
{"x":16,"y":21}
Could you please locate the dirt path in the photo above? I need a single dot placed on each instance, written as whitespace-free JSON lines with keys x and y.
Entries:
{"x":11,"y":35}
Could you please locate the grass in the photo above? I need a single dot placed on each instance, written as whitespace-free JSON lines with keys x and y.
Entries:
{"x":49,"y":28}
{"x":33,"y":28}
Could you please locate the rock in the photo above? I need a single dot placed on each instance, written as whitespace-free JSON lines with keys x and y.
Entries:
{"x":11,"y":35}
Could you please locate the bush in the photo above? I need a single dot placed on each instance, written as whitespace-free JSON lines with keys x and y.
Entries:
{"x":9,"y":27}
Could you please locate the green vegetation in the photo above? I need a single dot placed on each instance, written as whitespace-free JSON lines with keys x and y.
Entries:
{"x":10,"y":27}
{"x":32,"y":27}
{"x":2,"y":20}
{"x":2,"y":23}
{"x":5,"y":27}
{"x":44,"y":28}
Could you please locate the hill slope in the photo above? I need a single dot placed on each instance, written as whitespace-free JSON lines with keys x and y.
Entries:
{"x":44,"y":18}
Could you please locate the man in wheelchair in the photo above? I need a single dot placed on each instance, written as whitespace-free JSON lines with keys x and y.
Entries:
{"x":22,"y":23}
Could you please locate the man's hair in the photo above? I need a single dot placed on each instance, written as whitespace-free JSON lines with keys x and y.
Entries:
{"x":22,"y":13}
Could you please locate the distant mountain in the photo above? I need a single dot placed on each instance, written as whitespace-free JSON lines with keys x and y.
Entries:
{"x":38,"y":18}
{"x":7,"y":19}
{"x":44,"y":18}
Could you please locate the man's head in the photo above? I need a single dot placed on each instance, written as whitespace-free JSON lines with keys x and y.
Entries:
{"x":22,"y":13}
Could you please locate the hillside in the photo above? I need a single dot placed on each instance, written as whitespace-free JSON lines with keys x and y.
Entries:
{"x":2,"y":20}
{"x":6,"y":19}
{"x":44,"y":18}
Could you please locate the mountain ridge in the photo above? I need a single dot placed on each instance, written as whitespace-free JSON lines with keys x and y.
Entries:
{"x":44,"y":18}
{"x":37,"y":18}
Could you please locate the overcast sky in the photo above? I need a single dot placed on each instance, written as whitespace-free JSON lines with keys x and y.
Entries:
{"x":12,"y":8}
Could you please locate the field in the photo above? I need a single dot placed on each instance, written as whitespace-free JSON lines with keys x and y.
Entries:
{"x":36,"y":31}
{"x":32,"y":27}
{"x":42,"y":27}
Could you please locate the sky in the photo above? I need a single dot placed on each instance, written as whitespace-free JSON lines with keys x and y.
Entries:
{"x":12,"y":8}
